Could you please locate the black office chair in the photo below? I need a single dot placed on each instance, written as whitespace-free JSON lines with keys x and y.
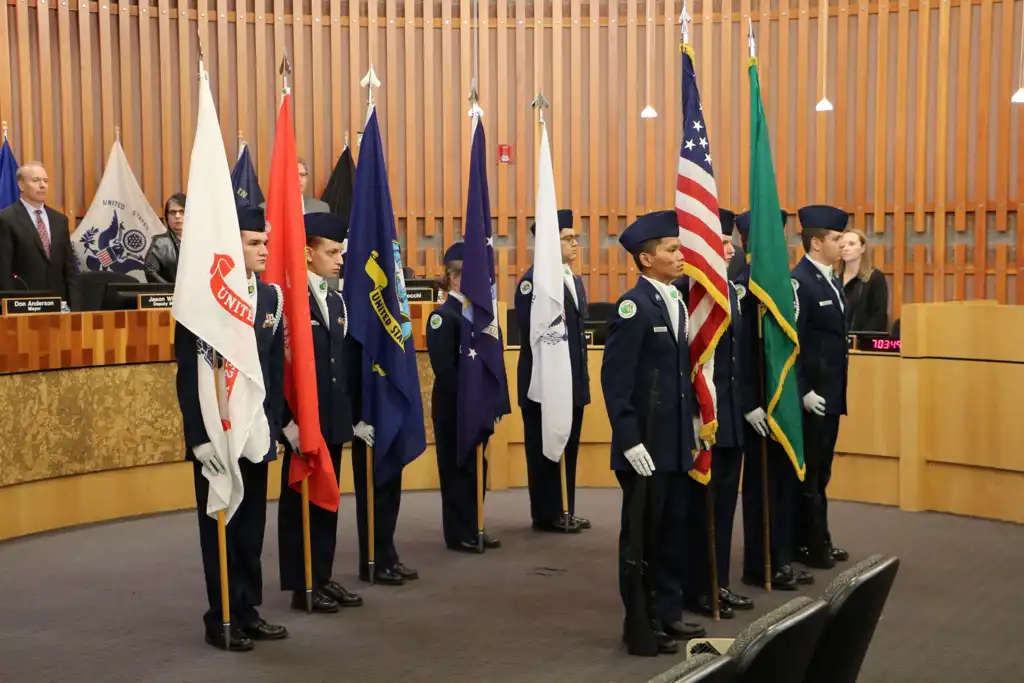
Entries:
{"x":702,"y":668}
{"x":92,"y":285}
{"x":777,"y":648}
{"x":855,"y":600}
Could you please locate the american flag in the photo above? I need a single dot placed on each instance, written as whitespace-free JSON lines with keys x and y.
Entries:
{"x":700,"y":231}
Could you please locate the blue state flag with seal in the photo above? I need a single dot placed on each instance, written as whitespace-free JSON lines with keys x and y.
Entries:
{"x":9,"y":192}
{"x":244,"y":181}
{"x":379,"y":319}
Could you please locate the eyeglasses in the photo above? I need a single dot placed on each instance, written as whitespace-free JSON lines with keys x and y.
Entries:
{"x":571,"y":239}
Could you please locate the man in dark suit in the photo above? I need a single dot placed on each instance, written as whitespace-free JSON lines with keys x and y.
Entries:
{"x":543,"y":474}
{"x":329,"y":319}
{"x":162,"y":258}
{"x":821,"y":374}
{"x":245,"y":530}
{"x":781,"y":477}
{"x":35,"y":244}
{"x":647,"y":332}
{"x":726,"y":463}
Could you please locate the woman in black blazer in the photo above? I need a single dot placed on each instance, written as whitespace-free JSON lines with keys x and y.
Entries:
{"x":867,"y":293}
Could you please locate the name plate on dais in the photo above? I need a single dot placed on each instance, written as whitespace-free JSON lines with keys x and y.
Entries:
{"x":32,"y":305}
{"x":421,"y":291}
{"x":154,"y":301}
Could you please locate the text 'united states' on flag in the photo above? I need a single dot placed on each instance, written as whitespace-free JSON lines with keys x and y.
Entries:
{"x":700,"y":232}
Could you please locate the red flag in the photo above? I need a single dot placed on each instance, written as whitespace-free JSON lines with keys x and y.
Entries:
{"x":286,"y":267}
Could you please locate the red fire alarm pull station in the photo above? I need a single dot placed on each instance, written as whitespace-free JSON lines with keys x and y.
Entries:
{"x":505,"y":154}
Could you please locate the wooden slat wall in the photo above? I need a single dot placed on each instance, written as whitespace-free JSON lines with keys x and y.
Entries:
{"x":923,"y":148}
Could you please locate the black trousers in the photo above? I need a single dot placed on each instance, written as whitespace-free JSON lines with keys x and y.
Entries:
{"x":458,"y":485}
{"x":387,"y":498}
{"x":244,"y":547}
{"x":782,"y":491}
{"x":543,"y":475}
{"x":726,"y":464}
{"x":664,"y":552}
{"x":820,"y":434}
{"x":323,"y":533}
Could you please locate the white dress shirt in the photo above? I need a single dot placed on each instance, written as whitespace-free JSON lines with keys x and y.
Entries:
{"x":827,"y":272}
{"x":671,"y":296}
{"x":570,"y":283}
{"x":33,"y":216}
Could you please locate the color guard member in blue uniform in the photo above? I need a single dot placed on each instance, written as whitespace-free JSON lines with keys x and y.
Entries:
{"x":782,"y":478}
{"x":325,"y":233}
{"x":647,"y":332}
{"x":458,"y":484}
{"x":821,"y":375}
{"x":245,"y":530}
{"x":726,"y":462}
{"x":544,"y":476}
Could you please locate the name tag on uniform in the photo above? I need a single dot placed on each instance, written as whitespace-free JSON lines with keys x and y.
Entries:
{"x":825,"y":303}
{"x":661,"y":329}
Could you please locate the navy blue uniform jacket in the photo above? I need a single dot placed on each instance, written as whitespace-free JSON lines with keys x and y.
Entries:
{"x":575,"y":316}
{"x":730,"y":376}
{"x":269,"y":343}
{"x":637,"y":345}
{"x":332,"y":368}
{"x":444,"y":335}
{"x":821,"y":365}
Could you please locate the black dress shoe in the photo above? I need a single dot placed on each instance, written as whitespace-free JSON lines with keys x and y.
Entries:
{"x":239,"y":641}
{"x":816,"y":559}
{"x":557,"y":527}
{"x":464,"y":547}
{"x":803,"y":578}
{"x":667,"y":644}
{"x":407,"y":573}
{"x":703,"y":605}
{"x":490,"y":542}
{"x":681,"y":630}
{"x":582,"y":522}
{"x":726,"y":596}
{"x":782,"y":580}
{"x":261,"y":630}
{"x":840,"y":555}
{"x":341,"y":595}
{"x":388,"y":577}
{"x":322,"y":602}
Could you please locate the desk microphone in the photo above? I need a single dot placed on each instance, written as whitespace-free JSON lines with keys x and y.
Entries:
{"x":19,"y":283}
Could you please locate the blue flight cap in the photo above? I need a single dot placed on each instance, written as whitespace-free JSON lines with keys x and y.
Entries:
{"x":453,"y":253}
{"x":728,"y":219}
{"x":743,"y":222}
{"x":564,"y":221}
{"x":824,"y":217}
{"x":652,"y":226}
{"x":326,"y":225}
{"x":252,"y":219}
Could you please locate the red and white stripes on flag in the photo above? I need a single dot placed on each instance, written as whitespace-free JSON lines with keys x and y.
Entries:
{"x":700,"y":231}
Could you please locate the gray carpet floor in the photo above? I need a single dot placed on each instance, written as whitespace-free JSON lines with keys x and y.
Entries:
{"x":123,"y":602}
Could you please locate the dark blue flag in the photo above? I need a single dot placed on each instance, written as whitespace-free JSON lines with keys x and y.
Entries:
{"x":9,"y":192}
{"x":483,"y":391}
{"x":244,"y":181}
{"x":378,"y":314}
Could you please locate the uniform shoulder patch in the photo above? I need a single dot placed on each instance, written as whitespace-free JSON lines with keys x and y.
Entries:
{"x":627,"y":309}
{"x":435,"y":321}
{"x":525,"y":287}
{"x":741,"y":292}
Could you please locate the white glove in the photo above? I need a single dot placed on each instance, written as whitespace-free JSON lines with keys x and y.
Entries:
{"x":291,"y":432}
{"x":365,"y":432}
{"x":814,"y":404}
{"x":758,"y":420}
{"x":640,"y":459}
{"x":701,"y":443}
{"x":206,"y":454}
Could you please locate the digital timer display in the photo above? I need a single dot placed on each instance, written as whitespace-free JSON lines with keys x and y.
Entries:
{"x":885,"y":345}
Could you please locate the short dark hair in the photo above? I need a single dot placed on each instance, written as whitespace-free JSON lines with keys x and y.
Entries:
{"x":648,"y":247}
{"x":176,"y":198}
{"x":807,"y":234}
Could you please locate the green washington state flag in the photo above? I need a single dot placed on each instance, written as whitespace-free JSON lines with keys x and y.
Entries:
{"x":770,"y":283}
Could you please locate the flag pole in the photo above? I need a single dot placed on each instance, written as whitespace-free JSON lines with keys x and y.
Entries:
{"x":222,"y":525}
{"x":765,"y":510}
{"x":307,"y":553}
